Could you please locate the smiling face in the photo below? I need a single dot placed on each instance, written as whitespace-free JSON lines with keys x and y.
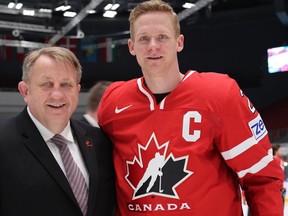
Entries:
{"x":155,"y":43}
{"x":51,"y":92}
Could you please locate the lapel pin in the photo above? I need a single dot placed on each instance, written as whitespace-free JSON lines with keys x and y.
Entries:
{"x":88,"y":143}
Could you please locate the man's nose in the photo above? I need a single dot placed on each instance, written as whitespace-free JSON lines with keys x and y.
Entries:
{"x":153,"y":44}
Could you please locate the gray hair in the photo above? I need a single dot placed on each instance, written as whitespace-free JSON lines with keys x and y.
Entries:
{"x":58,"y":53}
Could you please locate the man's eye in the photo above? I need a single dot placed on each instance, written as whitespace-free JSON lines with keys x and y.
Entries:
{"x":161,"y":37}
{"x":46,"y":84}
{"x":66,"y":85}
{"x":144,"y":38}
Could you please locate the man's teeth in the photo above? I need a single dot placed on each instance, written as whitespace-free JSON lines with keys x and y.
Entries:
{"x":57,"y":105}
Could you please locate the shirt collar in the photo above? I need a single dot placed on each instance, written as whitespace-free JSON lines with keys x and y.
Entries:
{"x":91,"y":120}
{"x":47,"y":134}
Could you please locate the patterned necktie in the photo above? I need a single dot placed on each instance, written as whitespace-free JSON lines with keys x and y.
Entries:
{"x":73,"y":173}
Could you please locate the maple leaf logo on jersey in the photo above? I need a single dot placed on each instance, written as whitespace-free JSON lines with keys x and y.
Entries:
{"x":154,"y":173}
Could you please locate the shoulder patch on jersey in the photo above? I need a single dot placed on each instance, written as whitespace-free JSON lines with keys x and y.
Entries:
{"x":257,"y":127}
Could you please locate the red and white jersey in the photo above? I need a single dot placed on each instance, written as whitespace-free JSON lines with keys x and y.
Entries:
{"x":188,"y":154}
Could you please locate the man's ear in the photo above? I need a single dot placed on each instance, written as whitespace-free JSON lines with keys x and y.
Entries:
{"x":131,"y":47}
{"x":180,"y":42}
{"x":79,"y":87}
{"x":22,"y":87}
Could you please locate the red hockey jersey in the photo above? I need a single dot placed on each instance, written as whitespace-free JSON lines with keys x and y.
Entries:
{"x":188,"y":154}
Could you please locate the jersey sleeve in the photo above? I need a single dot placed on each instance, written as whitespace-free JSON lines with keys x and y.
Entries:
{"x":244,"y":144}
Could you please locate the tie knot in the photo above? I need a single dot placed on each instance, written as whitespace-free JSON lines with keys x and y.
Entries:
{"x":59,"y":141}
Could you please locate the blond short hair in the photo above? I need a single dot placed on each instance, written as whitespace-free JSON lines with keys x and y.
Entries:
{"x":153,"y":6}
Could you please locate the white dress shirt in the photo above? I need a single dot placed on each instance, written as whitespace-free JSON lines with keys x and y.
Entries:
{"x":72,"y":145}
{"x":91,"y":120}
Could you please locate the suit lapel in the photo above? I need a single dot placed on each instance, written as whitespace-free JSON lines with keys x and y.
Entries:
{"x":88,"y":149}
{"x":38,"y":147}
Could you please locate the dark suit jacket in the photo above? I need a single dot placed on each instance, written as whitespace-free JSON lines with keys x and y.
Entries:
{"x":84,"y":120}
{"x":33,"y":184}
